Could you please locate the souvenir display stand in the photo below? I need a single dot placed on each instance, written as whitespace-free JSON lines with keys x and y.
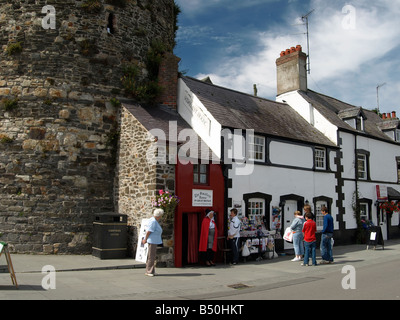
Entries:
{"x":256,"y":243}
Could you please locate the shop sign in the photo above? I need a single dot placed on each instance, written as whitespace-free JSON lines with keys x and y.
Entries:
{"x":381,"y":193}
{"x":142,"y":249}
{"x":202,"y":198}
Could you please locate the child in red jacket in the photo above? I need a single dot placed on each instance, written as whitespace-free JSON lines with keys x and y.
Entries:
{"x":310,"y":241}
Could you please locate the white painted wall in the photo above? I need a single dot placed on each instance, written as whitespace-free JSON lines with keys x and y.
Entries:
{"x":200,"y":119}
{"x":278,"y":181}
{"x":310,"y":114}
{"x":290,"y":154}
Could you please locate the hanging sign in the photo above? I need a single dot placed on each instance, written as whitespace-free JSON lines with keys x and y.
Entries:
{"x":381,"y":193}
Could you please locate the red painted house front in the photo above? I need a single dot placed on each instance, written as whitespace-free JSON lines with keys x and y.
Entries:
{"x":193,"y":181}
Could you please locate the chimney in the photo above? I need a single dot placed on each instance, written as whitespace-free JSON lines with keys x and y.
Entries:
{"x":291,"y":68}
{"x":168,"y":80}
{"x":394,"y":115}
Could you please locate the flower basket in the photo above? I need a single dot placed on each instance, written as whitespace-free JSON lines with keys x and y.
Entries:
{"x":389,"y":206}
{"x":166,"y":201}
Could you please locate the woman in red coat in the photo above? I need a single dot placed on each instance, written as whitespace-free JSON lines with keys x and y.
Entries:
{"x":208,"y":238}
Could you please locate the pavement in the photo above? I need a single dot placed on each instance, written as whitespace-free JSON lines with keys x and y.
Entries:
{"x":85,"y":277}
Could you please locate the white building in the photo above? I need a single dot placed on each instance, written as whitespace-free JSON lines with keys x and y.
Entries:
{"x":369,"y":148}
{"x":288,"y":162}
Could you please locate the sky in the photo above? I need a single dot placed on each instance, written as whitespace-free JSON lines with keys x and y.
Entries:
{"x":353,"y":46}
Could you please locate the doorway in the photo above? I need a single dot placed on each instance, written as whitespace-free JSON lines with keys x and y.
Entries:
{"x":191,"y":227}
{"x":383,"y":223}
{"x":288,"y":215}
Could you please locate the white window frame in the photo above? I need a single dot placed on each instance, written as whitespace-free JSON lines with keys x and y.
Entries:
{"x":397,"y":135}
{"x":319,"y":217}
{"x":320,"y":158}
{"x":256,"y":148}
{"x":362,"y":172}
{"x":256,"y":207}
{"x":364,"y":214}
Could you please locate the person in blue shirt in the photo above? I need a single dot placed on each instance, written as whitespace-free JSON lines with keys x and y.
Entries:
{"x":326,"y":237}
{"x":153,"y":238}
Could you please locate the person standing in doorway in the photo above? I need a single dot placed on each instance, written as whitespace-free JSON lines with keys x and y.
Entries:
{"x":153,"y":238}
{"x":326,"y":237}
{"x":309,"y":229}
{"x":208,"y":238}
{"x":234,"y":235}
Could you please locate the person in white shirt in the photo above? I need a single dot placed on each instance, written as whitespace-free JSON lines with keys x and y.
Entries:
{"x":234,"y":235}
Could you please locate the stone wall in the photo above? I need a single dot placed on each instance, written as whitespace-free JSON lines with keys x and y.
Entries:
{"x":138,"y":181}
{"x":57,"y":124}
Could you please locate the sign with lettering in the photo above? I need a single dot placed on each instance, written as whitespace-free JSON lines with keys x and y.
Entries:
{"x":381,"y":193}
{"x":142,"y":249}
{"x":202,"y":198}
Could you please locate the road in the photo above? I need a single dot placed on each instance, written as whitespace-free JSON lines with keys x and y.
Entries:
{"x":88,"y":278}
{"x":378,"y":281}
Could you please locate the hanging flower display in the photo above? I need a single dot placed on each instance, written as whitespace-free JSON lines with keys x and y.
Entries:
{"x":166,"y":201}
{"x":389,"y":206}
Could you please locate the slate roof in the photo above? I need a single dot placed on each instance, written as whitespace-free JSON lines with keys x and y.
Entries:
{"x":336,"y":111}
{"x":159,"y":117}
{"x":238,"y":110}
{"x":156,"y":117}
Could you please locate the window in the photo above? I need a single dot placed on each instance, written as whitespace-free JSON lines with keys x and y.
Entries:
{"x":397,"y":135}
{"x":110,"y":24}
{"x":360,"y":123}
{"x":257,"y":148}
{"x":319,"y":217}
{"x":356,"y":122}
{"x":320,"y":158}
{"x":364,"y":211}
{"x":398,"y":169}
{"x":362,"y":166}
{"x":256,"y":208}
{"x":200,"y":174}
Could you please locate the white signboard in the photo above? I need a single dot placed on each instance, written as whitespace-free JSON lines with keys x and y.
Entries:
{"x":142,"y":249}
{"x":202,"y":198}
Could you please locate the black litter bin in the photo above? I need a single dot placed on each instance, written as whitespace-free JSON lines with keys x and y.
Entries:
{"x":110,"y":235}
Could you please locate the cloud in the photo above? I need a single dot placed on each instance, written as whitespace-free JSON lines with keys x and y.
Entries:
{"x":349,"y":46}
{"x":191,"y":7}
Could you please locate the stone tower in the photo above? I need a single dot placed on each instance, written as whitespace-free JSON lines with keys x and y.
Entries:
{"x":61,"y":65}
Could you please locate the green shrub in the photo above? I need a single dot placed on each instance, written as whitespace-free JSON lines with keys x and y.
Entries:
{"x":9,"y":104}
{"x":14,"y":48}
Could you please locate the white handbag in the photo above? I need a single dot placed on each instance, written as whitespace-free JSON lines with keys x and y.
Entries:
{"x":288,"y":235}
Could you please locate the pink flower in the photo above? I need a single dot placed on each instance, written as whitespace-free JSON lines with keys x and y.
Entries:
{"x":160,"y":192}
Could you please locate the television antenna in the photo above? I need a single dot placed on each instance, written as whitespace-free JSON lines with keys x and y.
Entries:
{"x":305,"y":17}
{"x":377,"y":93}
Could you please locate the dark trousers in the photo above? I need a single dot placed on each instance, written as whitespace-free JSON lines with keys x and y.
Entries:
{"x":207,"y":255}
{"x":234,"y":243}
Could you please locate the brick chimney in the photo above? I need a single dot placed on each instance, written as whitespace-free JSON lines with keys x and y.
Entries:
{"x":291,"y":68}
{"x":168,"y":80}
